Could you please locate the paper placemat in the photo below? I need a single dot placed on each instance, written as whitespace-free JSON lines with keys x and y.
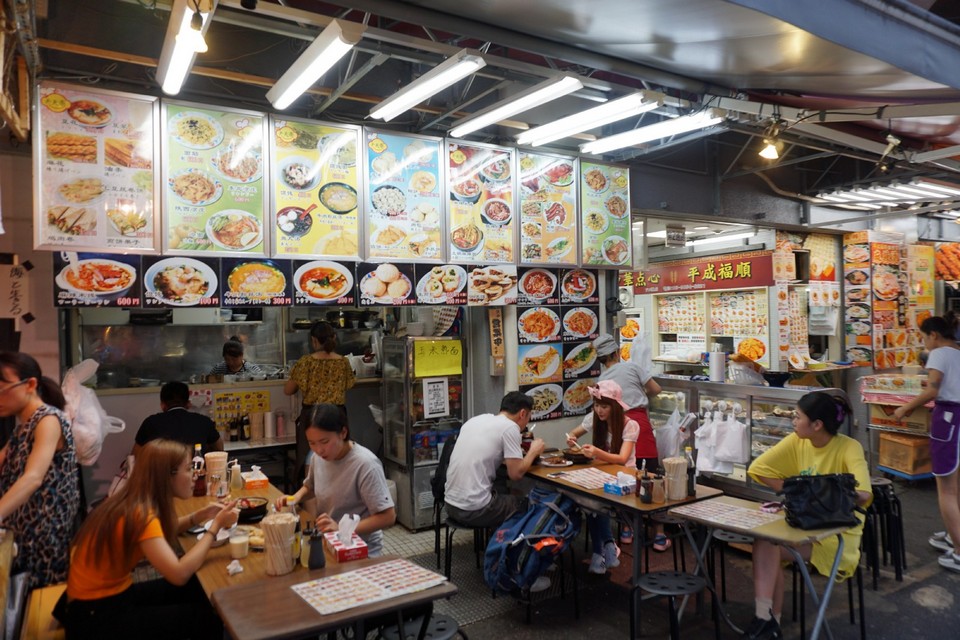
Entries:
{"x":726,"y":515}
{"x":367,"y":585}
{"x":588,"y":478}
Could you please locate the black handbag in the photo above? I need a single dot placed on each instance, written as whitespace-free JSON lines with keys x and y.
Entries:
{"x":821,"y":502}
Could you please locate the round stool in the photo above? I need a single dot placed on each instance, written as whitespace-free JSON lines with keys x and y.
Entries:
{"x":724,"y":538}
{"x":440,"y":627}
{"x":664,"y":583}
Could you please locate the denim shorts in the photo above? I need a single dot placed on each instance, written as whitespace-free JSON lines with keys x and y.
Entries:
{"x":945,"y":438}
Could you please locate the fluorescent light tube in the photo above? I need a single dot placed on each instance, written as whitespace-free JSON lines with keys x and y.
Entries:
{"x":331,"y":45}
{"x":625,"y":107}
{"x":450,"y":71}
{"x":937,"y":187}
{"x":664,"y":129}
{"x":180,"y":46}
{"x":719,"y":239}
{"x":523,"y":101}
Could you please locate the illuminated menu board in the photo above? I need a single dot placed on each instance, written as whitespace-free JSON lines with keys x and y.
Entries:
{"x":481,"y":203}
{"x":548,"y":209}
{"x":605,"y":215}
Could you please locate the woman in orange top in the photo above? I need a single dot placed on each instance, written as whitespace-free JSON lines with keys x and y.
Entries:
{"x":323,"y":377}
{"x":139,"y":522}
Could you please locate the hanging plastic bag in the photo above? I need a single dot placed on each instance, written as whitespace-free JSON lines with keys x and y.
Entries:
{"x":88,"y":420}
{"x":732,"y":444}
{"x":706,"y":439}
{"x":640,"y":351}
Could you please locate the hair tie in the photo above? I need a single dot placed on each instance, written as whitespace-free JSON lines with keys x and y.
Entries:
{"x":840,"y":413}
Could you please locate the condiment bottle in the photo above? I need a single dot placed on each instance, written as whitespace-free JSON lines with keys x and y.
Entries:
{"x":236,"y":480}
{"x":691,"y":472}
{"x":245,"y":427}
{"x":199,"y":473}
{"x":305,"y":544}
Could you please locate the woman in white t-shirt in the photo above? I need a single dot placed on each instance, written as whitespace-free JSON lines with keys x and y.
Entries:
{"x":614,"y":442}
{"x":943,"y":386}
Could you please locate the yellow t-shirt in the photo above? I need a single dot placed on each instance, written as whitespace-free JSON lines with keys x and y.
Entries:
{"x":323,"y":379}
{"x":90,"y":579}
{"x":794,"y":456}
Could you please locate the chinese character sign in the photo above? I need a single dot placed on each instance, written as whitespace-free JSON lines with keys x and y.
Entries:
{"x":737,"y":271}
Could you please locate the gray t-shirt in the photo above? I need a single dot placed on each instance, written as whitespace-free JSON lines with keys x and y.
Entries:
{"x":485,"y":441}
{"x":631,"y":377}
{"x":946,"y":360}
{"x":353,"y":484}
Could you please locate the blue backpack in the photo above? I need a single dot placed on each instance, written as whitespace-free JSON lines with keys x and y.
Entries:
{"x":526,"y":544}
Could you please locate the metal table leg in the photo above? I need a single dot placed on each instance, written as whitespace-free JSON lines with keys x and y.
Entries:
{"x":825,"y":600}
{"x":700,"y":553}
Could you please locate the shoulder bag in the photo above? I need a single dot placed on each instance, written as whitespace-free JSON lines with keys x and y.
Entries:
{"x":821,"y":502}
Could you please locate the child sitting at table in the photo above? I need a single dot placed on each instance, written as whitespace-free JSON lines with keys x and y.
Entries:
{"x":137,"y":522}
{"x":614,"y":442}
{"x":345,"y":478}
{"x":814,"y":448}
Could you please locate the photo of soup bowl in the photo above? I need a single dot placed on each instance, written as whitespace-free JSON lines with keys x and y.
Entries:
{"x":466,"y":190}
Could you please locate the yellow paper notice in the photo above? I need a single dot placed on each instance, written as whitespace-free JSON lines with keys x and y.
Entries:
{"x":437,"y":358}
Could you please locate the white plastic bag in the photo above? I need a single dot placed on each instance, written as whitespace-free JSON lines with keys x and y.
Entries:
{"x":732,"y":444}
{"x":640,"y":350}
{"x":706,"y":439}
{"x":669,"y":437}
{"x":88,"y":420}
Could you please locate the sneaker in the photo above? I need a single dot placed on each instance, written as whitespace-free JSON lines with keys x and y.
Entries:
{"x":611,"y":555}
{"x":941,"y":540}
{"x":950,"y":560}
{"x":542,"y":584}
{"x":626,"y":536}
{"x":598,"y":565}
{"x":761,"y":629}
{"x":662,"y":543}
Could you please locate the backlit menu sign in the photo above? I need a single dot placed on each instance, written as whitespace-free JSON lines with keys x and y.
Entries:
{"x":735,"y":271}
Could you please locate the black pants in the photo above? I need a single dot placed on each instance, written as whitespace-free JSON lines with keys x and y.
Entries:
{"x":154,"y":610}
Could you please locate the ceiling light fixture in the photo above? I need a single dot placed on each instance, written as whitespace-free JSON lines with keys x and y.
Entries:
{"x":894,"y":194}
{"x":332,"y":44}
{"x":450,"y":71}
{"x":189,"y":20}
{"x":721,"y":238}
{"x":663,"y":129}
{"x":534,"y":96}
{"x":772,"y":145}
{"x":613,"y":111}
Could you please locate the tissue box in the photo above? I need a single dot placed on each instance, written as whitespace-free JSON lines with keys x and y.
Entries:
{"x":620,"y":489}
{"x":251,"y":481}
{"x":336,"y":551}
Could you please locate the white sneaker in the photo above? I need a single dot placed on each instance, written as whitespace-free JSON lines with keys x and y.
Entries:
{"x":542,"y":584}
{"x":611,"y":555}
{"x":598,"y":565}
{"x":950,"y":560}
{"x":941,"y":540}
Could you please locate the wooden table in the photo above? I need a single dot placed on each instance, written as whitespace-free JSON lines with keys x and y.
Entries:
{"x":6,"y":562}
{"x":269,"y":608}
{"x":777,"y":532}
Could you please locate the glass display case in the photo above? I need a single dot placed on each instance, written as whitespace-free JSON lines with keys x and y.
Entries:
{"x":767,"y":413}
{"x":423,"y":406}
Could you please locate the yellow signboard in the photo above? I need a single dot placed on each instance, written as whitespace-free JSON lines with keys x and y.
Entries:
{"x":437,"y":358}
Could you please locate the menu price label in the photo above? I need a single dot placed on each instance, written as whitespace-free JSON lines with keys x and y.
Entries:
{"x":181,"y":282}
{"x":323,"y":282}
{"x":405,"y":197}
{"x":548,"y":209}
{"x":436,"y":398}
{"x":386,"y":284}
{"x":605,"y":215}
{"x":97,"y":154}
{"x":538,"y":286}
{"x":96,"y":280}
{"x":579,"y":286}
{"x":481,"y":203}
{"x":315,"y":189}
{"x":256,"y":283}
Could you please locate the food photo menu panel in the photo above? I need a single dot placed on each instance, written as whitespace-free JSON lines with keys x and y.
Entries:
{"x":604,"y":215}
{"x":213,"y":181}
{"x":95,"y":170}
{"x":481,"y":203}
{"x":315,"y":189}
{"x":323,"y":282}
{"x":181,"y":282}
{"x":386,"y":284}
{"x":404,"y":197}
{"x":256,"y":283}
{"x":548,"y":209}
{"x":96,"y":280}
{"x":441,"y":284}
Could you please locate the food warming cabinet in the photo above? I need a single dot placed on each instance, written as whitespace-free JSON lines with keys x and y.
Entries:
{"x":423,"y":406}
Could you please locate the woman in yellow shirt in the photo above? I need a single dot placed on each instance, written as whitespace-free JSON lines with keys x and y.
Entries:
{"x":323,"y":377}
{"x":139,"y":522}
{"x":814,"y":448}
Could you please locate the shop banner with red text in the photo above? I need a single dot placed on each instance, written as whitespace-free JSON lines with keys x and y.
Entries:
{"x":735,"y":271}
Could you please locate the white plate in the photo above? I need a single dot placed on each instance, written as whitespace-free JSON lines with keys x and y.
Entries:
{"x":85,"y":203}
{"x":426,"y":297}
{"x":254,"y":153}
{"x":612,"y":240}
{"x":538,"y":351}
{"x":209,"y":143}
{"x":217,"y":188}
{"x":578,"y":295}
{"x":531,"y":337}
{"x":555,"y":461}
{"x":308,"y":166}
{"x":538,"y":296}
{"x":559,"y":254}
{"x":97,"y":101}
{"x":604,"y":222}
{"x":316,"y":264}
{"x":556,"y":389}
{"x":249,"y":245}
{"x":383,"y":299}
{"x":578,"y":350}
{"x":208,"y":274}
{"x":606,"y":180}
{"x":222,"y":536}
{"x":589,"y":312}
{"x":570,"y":406}
{"x":64,"y":284}
{"x":376,"y":236}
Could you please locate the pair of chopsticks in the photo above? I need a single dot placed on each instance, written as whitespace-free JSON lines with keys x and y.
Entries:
{"x":574,"y":447}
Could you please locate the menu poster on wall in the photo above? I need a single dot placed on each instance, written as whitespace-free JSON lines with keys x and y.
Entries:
{"x":539,"y":324}
{"x":822,"y":248}
{"x":386,"y":284}
{"x":577,"y":400}
{"x":315,"y":189}
{"x":605,"y":215}
{"x":481,"y":203}
{"x":256,"y":283}
{"x":580,"y":361}
{"x":404,"y":197}
{"x":95,"y":169}
{"x":579,"y":286}
{"x":885,"y":282}
{"x":580,"y":322}
{"x":858,"y":298}
{"x":538,"y":286}
{"x":493,"y":286}
{"x":181,"y":282}
{"x":540,"y":374}
{"x":441,"y":284}
{"x":213,"y":179}
{"x":96,"y":280}
{"x":323,"y":282}
{"x":548,"y":209}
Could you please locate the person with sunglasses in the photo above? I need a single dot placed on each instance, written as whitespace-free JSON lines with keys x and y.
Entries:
{"x":39,"y":479}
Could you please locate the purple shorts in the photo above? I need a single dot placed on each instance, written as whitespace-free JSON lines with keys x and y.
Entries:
{"x":945,"y":438}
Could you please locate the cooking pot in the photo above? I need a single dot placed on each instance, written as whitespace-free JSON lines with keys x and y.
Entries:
{"x":112,"y":377}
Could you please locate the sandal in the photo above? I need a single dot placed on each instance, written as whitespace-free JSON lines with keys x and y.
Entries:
{"x":661,"y":543}
{"x":626,"y":536}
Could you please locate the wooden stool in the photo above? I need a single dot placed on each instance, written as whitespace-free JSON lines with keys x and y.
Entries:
{"x":670,"y":584}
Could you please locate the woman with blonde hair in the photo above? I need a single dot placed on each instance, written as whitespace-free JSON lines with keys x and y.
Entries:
{"x":138,"y":522}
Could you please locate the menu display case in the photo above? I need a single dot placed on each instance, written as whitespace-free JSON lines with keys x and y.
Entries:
{"x":767,"y":412}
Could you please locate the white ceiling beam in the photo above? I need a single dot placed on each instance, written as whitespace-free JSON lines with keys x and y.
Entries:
{"x":936,"y":154}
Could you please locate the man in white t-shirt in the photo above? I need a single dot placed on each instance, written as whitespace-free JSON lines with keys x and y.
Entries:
{"x":485,"y":442}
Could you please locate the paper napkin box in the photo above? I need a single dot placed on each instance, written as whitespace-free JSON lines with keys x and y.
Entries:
{"x":254,"y":480}
{"x":336,"y":551}
{"x":619,"y":489}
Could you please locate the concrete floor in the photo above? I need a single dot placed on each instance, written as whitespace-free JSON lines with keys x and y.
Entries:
{"x":923,"y":605}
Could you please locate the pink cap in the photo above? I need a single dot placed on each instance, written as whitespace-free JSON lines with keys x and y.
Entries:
{"x":608,"y":390}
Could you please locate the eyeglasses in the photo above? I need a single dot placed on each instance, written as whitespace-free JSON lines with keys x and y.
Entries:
{"x":13,"y":386}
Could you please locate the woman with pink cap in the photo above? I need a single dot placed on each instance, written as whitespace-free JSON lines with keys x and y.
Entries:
{"x":614,"y":442}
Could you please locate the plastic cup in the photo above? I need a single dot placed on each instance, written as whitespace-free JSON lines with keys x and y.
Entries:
{"x":239,"y":545}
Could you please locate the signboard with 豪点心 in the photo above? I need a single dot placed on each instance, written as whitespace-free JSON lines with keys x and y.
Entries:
{"x":735,"y":271}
